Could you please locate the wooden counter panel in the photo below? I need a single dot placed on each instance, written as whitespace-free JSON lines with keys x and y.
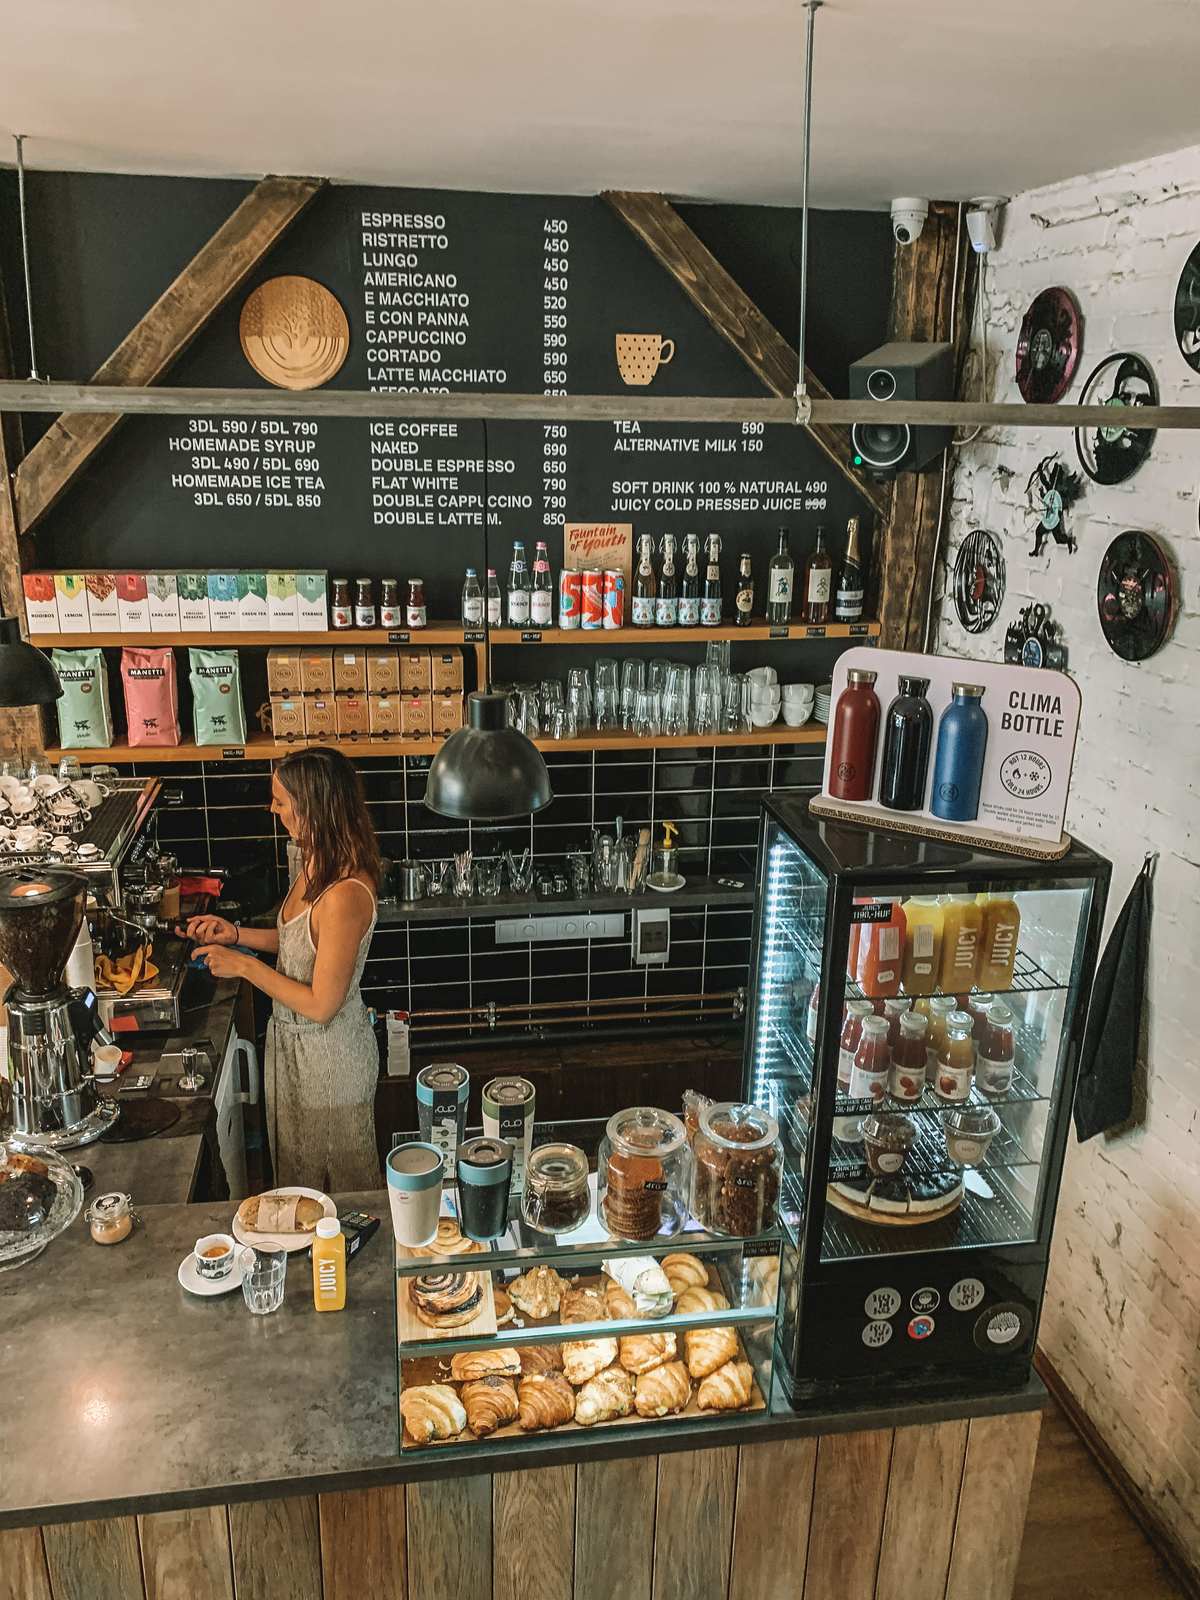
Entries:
{"x":186,"y":1553}
{"x":992,"y":1503}
{"x":770,"y":1553}
{"x":849,"y":1492}
{"x":277,"y":1548}
{"x":23,"y":1574}
{"x":96,"y":1560}
{"x":918,"y":1525}
{"x":450,"y":1539}
{"x":364,"y":1544}
{"x":615,"y":1495}
{"x":533,"y":1534}
{"x":693,"y":1524}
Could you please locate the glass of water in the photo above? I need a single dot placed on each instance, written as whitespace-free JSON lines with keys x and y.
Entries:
{"x":264,"y":1273}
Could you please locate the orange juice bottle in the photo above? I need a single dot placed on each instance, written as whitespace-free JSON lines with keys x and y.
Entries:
{"x":998,"y":941}
{"x":922,"y":944}
{"x":956,"y":1059}
{"x":880,"y":952}
{"x":940,"y":1008}
{"x":962,"y":923}
{"x":329,"y":1266}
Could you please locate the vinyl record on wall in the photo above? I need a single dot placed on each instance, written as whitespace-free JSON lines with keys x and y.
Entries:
{"x":978,"y":581}
{"x":1048,"y":346}
{"x":1110,"y":455}
{"x":1187,"y":311}
{"x":1135,"y":595}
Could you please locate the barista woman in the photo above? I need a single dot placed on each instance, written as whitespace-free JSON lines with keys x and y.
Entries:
{"x":322,"y":1062}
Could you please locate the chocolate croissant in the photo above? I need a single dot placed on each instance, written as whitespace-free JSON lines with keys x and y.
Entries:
{"x":696,"y":1299}
{"x":682,"y":1270}
{"x":584,"y":1358}
{"x":706,"y":1349}
{"x":619,"y":1302}
{"x":431,"y":1411}
{"x":490,"y":1403}
{"x":540,"y":1358}
{"x":640,"y":1352}
{"x":662,"y":1390}
{"x":446,"y":1299}
{"x":609,"y":1394}
{"x":544,"y":1400}
{"x":469,"y":1364}
{"x":729,"y":1388}
{"x":582,"y":1305}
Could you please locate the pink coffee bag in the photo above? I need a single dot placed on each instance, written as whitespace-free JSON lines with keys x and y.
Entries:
{"x":151,"y":694}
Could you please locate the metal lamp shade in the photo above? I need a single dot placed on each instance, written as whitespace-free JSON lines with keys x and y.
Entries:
{"x":487,"y":771}
{"x":27,"y":677}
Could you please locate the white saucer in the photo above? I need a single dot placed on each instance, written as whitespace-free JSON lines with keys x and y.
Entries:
{"x":665,"y":885}
{"x":190,"y":1279}
{"x":288,"y":1241}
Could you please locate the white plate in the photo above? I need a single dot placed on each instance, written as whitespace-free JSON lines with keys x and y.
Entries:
{"x":190,"y":1279}
{"x":289,"y":1241}
{"x":665,"y":885}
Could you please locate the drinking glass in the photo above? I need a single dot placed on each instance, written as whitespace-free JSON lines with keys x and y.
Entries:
{"x":656,"y":674}
{"x":70,"y":770}
{"x":716,"y":654}
{"x":633,"y":679}
{"x":579,"y":865}
{"x":708,"y":700}
{"x":463,"y":875}
{"x":487,"y":877}
{"x":676,"y":701}
{"x":646,"y":718}
{"x":607,"y":695}
{"x":550,"y":700}
{"x":735,"y":703}
{"x":264,"y":1273}
{"x":520,"y":870}
{"x":579,"y":698}
{"x":437,"y":880}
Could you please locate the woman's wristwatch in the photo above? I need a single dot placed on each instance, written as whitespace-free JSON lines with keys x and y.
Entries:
{"x":237,"y":934}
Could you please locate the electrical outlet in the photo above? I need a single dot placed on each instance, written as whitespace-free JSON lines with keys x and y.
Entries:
{"x":651,"y":936}
{"x":545,"y":930}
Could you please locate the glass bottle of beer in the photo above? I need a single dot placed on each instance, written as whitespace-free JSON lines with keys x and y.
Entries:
{"x":645,"y":584}
{"x":689,"y":588}
{"x":666,"y":605}
{"x":779,"y":582}
{"x":710,"y":600}
{"x":818,"y":581}
{"x":744,"y":604}
{"x":848,"y":606}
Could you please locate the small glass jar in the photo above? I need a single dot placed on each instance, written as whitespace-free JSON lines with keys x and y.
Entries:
{"x":737,"y":1162}
{"x":364,"y":603}
{"x":341,"y":611}
{"x":556,"y":1198}
{"x":969,"y":1131}
{"x":887,"y":1138}
{"x":415,"y":613}
{"x":110,"y":1217}
{"x":644,"y":1173}
{"x":391,"y":612}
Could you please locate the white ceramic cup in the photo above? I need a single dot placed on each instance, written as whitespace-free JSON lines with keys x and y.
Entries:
{"x":220,"y":1263}
{"x":763,"y":675}
{"x":795,"y":715}
{"x":106,"y":1058}
{"x":22,"y":804}
{"x":46,"y":784}
{"x":88,"y":792}
{"x":414,"y":1185}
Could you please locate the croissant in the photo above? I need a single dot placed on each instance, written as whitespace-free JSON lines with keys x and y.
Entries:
{"x":642,"y":1351}
{"x":490,"y":1403}
{"x":609,"y":1394}
{"x":537,"y":1292}
{"x":431,"y":1411}
{"x":619,"y":1302}
{"x":728,"y":1388}
{"x":582,"y":1305}
{"x":683,"y":1270}
{"x":663,"y":1390}
{"x":696,"y":1299}
{"x":484,"y":1364}
{"x":540,"y":1358}
{"x":584,"y":1358}
{"x":544,"y":1400}
{"x":706,"y":1349}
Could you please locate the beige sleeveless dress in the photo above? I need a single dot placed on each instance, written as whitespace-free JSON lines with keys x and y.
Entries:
{"x":320,"y":1078}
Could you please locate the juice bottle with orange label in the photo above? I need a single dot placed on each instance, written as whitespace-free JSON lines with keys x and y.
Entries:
{"x":998,"y":941}
{"x":940,"y":1008}
{"x":880,"y":953}
{"x":962,"y":922}
{"x":922,"y":944}
{"x":956,"y":1059}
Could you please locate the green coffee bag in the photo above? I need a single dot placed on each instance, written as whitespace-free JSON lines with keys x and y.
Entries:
{"x":217,"y":697}
{"x":84,"y":718}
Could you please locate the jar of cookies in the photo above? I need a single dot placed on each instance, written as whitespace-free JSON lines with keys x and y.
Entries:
{"x":738,"y":1160}
{"x":556,"y":1198}
{"x":644,"y":1173}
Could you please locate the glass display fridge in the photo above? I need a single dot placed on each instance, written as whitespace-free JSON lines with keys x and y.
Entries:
{"x":915,"y":1023}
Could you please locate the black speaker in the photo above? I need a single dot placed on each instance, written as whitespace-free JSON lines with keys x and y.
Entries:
{"x":900,"y":372}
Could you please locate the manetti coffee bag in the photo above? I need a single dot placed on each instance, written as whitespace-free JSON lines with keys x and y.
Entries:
{"x":151,"y":694}
{"x":217,"y":697}
{"x":84,"y":718}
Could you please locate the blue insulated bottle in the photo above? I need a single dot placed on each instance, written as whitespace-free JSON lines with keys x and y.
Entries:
{"x":958,"y":765}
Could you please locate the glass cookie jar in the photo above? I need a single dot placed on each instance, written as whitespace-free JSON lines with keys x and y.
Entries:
{"x":644,"y":1173}
{"x":738,"y":1159}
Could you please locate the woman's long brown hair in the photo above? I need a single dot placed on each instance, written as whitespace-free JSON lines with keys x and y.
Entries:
{"x":336,"y":837}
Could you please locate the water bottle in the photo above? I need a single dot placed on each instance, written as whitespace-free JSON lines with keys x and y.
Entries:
{"x":958,"y":764}
{"x":472,"y":601}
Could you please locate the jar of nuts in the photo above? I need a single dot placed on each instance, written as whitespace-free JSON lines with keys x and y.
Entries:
{"x":737,"y":1162}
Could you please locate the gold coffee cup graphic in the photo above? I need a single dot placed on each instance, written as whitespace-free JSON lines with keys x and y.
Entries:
{"x":639,"y":355}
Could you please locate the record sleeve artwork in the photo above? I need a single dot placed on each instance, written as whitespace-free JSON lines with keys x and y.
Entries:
{"x":1187,"y":311}
{"x":1048,"y":347}
{"x":1035,"y":640}
{"x":1135,"y":596}
{"x":1051,"y":492}
{"x":978,"y":581}
{"x":294,"y":333}
{"x":1110,"y":455}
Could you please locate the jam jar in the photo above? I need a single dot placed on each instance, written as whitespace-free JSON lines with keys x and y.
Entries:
{"x":110,"y":1218}
{"x":644,"y":1173}
{"x":364,"y":603}
{"x":737,"y":1159}
{"x":415,"y":613}
{"x":556,"y":1198}
{"x":341,"y":612}
{"x":391,"y":612}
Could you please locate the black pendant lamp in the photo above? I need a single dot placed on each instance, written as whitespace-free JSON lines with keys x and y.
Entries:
{"x":27,"y":677}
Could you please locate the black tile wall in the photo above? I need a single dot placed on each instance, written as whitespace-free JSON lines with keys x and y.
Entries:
{"x":220,"y":816}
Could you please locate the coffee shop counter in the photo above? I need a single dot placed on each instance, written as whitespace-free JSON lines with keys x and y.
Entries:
{"x":163,"y":1445}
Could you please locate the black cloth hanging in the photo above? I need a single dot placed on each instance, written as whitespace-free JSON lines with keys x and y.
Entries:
{"x":1108,"y":1059}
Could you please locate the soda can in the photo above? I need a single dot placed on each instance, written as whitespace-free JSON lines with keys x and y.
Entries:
{"x":592,"y":612}
{"x":570,"y":597}
{"x":614,"y":599}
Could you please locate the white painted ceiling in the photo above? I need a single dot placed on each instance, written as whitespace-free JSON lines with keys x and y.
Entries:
{"x":695,"y":98}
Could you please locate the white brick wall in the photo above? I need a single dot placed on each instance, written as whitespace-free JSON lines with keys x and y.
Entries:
{"x":1122,"y":1319}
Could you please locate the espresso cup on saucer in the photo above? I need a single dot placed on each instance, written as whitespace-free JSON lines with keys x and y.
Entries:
{"x":22,"y":804}
{"x":46,"y":785}
{"x":214,"y":1255}
{"x":28,"y":837}
{"x":89,"y":793}
{"x":68,"y":816}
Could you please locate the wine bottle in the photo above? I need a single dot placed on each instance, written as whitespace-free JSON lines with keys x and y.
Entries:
{"x":779,"y":582}
{"x":818,"y":581}
{"x":849,"y":602}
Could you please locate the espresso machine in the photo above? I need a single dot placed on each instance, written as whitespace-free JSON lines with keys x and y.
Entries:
{"x":50,"y":1026}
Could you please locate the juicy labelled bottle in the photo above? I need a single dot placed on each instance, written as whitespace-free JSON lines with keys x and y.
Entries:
{"x":962,"y":923}
{"x":880,"y":951}
{"x":922,"y":944}
{"x":998,"y":941}
{"x":958,"y":765}
{"x":854,"y":736}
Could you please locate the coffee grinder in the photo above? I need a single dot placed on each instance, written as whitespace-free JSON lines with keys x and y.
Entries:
{"x":50,"y":1026}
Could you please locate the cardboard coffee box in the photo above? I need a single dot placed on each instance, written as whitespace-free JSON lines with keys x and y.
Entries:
{"x":104,"y":613}
{"x":447,"y":713}
{"x":416,"y":716}
{"x":133,"y":602}
{"x":320,"y":718}
{"x":316,"y":671}
{"x":416,"y":672}
{"x":162,"y":592}
{"x":41,"y":604}
{"x":287,"y":719}
{"x":383,"y":672}
{"x":447,"y":671}
{"x":349,"y":671}
{"x":353,"y":721}
{"x":383,"y":714}
{"x":283,"y":672}
{"x":70,"y":591}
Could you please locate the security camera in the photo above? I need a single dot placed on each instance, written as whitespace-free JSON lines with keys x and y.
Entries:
{"x":908,"y":218}
{"x":983,"y":223}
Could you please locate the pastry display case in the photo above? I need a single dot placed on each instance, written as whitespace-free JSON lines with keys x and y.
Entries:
{"x":579,"y":1328}
{"x":914,"y":1028}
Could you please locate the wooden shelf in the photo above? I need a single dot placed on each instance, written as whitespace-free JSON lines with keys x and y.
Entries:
{"x":438,"y":633}
{"x":261,"y":747}
{"x":758,"y":631}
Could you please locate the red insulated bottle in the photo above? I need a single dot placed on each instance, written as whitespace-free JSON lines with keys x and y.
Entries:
{"x":855,"y":733}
